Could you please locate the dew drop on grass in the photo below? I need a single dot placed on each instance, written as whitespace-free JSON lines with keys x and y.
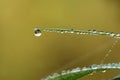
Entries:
{"x":75,"y":70}
{"x":37,"y":32}
{"x":62,"y":32}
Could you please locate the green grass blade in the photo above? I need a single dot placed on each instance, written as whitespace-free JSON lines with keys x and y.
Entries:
{"x":79,"y":73}
{"x":90,"y":32}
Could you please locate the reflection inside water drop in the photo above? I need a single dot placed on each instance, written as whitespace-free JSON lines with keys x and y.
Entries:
{"x":37,"y":32}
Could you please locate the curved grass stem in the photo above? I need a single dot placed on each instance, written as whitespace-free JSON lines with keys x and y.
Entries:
{"x":78,"y":73}
{"x":92,"y":32}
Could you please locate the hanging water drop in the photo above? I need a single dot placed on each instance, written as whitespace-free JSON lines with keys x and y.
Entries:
{"x":37,"y":32}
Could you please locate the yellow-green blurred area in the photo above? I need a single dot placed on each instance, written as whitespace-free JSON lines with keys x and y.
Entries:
{"x":26,"y":57}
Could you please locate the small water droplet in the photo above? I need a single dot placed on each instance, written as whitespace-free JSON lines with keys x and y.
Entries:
{"x":104,"y":71}
{"x":94,"y":31}
{"x":68,"y":71}
{"x":104,"y":66}
{"x":66,"y":31}
{"x":77,"y":33}
{"x":75,"y":70}
{"x":63,"y":72}
{"x":84,"y":68}
{"x":112,"y":34}
{"x":82,"y":33}
{"x":72,"y":31}
{"x":109,"y":51}
{"x":37,"y":32}
{"x":61,"y":32}
{"x":109,"y":65}
{"x":94,"y":66}
{"x":117,"y":36}
{"x":55,"y":75}
{"x":101,"y":32}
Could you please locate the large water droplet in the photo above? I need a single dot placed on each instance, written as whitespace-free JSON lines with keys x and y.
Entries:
{"x":37,"y":32}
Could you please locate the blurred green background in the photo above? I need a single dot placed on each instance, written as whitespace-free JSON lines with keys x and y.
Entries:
{"x":26,"y":57}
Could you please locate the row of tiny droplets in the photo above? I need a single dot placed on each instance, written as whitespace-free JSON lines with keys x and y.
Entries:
{"x":93,"y":67}
{"x":93,"y":32}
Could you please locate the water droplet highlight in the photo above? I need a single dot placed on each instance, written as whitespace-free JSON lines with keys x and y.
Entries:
{"x":37,"y":32}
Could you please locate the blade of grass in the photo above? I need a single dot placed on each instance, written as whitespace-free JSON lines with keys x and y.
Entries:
{"x":78,"y":73}
{"x":91,"y":32}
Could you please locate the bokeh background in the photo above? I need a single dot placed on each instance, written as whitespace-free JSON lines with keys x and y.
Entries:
{"x":26,"y":57}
